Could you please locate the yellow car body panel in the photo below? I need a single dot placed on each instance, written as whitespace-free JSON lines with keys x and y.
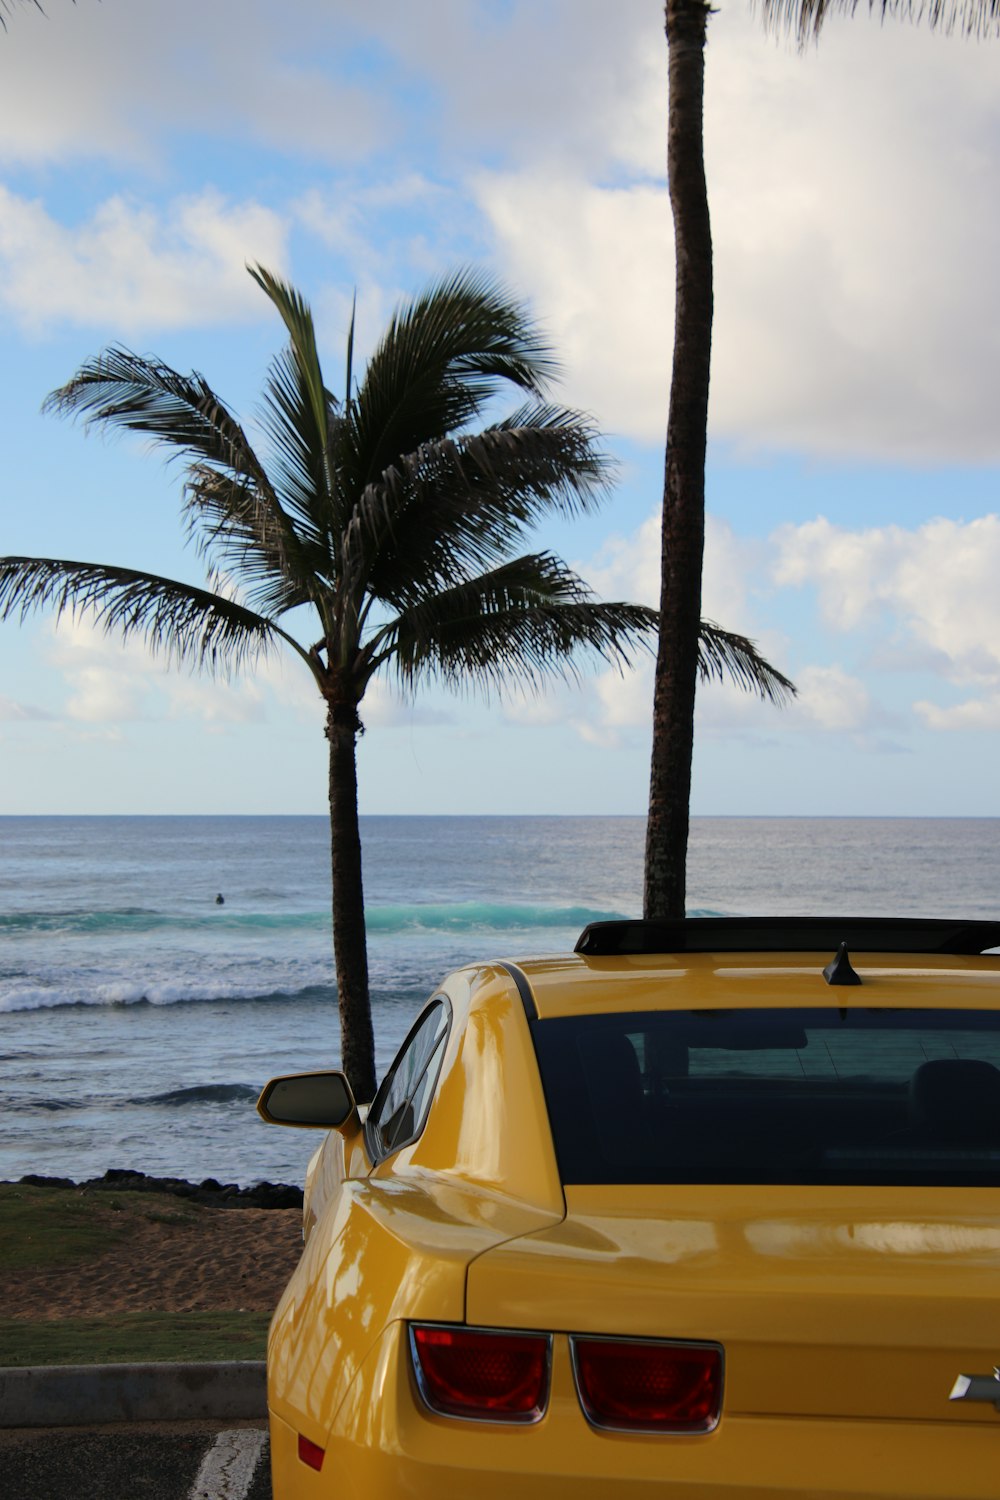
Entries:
{"x":575,"y":986}
{"x":845,"y":1313}
{"x":384,"y":1444}
{"x":828,"y":1301}
{"x":489,"y":1124}
{"x":396,"y":1241}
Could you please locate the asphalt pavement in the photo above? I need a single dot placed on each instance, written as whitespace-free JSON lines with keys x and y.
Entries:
{"x":148,"y":1432}
{"x":142,"y":1461}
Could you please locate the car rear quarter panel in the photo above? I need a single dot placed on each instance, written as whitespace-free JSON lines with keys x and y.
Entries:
{"x":396,"y":1243}
{"x":489,"y":1126}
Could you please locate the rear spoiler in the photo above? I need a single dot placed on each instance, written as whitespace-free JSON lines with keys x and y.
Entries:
{"x":940,"y":935}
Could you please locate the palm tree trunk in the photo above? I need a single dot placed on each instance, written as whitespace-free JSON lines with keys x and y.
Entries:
{"x":349,"y":947}
{"x":684,"y":476}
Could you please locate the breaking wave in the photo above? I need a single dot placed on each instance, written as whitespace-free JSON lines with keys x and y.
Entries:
{"x":464,"y":916}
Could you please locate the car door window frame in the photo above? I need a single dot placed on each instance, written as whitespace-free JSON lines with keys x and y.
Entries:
{"x":378,"y":1149}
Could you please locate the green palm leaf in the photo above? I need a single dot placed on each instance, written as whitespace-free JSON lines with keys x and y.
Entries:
{"x":119,"y":389}
{"x":299,"y":412}
{"x":464,"y":503}
{"x":442,"y":358}
{"x":239,"y":539}
{"x":805,"y":18}
{"x":186,"y":624}
{"x":512,"y":625}
{"x":724,"y":654}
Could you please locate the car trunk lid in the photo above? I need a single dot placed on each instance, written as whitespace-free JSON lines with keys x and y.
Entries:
{"x":849,"y":1302}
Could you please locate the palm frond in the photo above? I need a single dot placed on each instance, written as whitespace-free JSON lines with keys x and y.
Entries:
{"x":186,"y":624}
{"x":139,"y":393}
{"x":442,"y":357}
{"x":724,"y":654}
{"x":298,"y":457}
{"x":805,"y":18}
{"x":240,"y":540}
{"x":119,"y":389}
{"x":302,"y":380}
{"x":7,"y":6}
{"x":464,"y":503}
{"x":517,"y":624}
{"x":297,"y":318}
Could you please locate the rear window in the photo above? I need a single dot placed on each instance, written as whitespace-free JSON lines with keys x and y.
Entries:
{"x":888,"y":1097}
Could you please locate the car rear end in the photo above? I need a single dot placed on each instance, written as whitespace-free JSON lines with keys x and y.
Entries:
{"x":796,"y":1174}
{"x":779,"y":1260}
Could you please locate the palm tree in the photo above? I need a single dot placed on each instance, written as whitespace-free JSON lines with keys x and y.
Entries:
{"x":381,"y":524}
{"x":683,"y":533}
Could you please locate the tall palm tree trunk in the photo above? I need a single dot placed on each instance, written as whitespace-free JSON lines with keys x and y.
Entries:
{"x":684,"y":477}
{"x":349,"y":947}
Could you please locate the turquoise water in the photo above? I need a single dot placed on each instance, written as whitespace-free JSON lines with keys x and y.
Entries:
{"x":138,"y":1018}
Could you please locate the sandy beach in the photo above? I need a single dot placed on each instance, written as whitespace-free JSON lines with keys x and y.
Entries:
{"x":188,"y":1258}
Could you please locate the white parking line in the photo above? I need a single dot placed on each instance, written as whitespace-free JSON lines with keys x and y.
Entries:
{"x":228,"y":1467}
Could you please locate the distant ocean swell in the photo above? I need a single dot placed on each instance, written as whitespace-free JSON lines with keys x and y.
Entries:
{"x":466,"y":916}
{"x":240,"y":1094}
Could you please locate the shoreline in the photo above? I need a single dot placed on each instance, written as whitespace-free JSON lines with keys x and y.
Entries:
{"x":209,"y":1192}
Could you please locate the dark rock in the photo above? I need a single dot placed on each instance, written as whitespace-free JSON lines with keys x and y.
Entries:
{"x":210,"y":1192}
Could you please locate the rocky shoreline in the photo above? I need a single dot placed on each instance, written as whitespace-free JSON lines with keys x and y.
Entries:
{"x":211,"y":1193}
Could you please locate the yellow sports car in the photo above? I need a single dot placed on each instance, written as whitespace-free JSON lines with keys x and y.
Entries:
{"x":706,"y":1208}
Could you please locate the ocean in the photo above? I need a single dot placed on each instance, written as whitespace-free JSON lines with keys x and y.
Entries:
{"x":139,"y":1018}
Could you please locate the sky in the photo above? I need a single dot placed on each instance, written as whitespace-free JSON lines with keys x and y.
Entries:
{"x":150,"y":150}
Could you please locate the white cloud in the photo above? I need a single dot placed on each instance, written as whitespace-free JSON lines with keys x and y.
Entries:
{"x":103,"y":696}
{"x":855,"y":233}
{"x":12,"y":712}
{"x":830,"y":699}
{"x":112,"y":78}
{"x":566,"y":79}
{"x":598,"y":263}
{"x":111,"y":683}
{"x":625,"y":699}
{"x":132,"y":266}
{"x":974,"y":713}
{"x":855,"y":227}
{"x":214,"y":702}
{"x":926,"y":598}
{"x":384,"y":708}
{"x":629,"y":568}
{"x":597,"y":708}
{"x":936,"y":583}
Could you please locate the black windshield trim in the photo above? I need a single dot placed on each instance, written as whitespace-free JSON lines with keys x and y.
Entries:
{"x":523,"y":988}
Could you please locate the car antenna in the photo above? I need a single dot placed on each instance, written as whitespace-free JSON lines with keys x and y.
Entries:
{"x":840,"y":969}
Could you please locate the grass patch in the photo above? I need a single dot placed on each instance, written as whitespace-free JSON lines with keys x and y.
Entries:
{"x":134,"y":1338}
{"x":44,"y":1226}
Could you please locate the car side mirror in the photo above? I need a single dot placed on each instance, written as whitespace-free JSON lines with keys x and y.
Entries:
{"x":320,"y":1101}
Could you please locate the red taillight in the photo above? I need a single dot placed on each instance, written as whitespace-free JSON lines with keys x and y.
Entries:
{"x":310,"y":1453}
{"x":648,"y":1385}
{"x":484,"y":1374}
